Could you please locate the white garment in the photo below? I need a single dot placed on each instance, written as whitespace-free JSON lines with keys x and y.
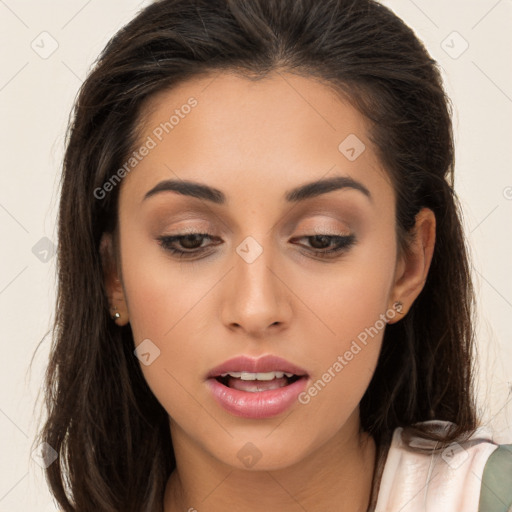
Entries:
{"x":418,"y":479}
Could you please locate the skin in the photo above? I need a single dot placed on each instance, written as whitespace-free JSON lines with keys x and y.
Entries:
{"x":254,"y":141}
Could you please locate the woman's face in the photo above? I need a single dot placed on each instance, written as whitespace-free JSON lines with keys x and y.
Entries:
{"x":254,"y":286}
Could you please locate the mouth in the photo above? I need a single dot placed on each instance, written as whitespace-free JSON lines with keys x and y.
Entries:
{"x":256,"y":382}
{"x":256,"y":388}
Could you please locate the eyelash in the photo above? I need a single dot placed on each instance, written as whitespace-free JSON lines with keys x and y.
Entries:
{"x":344,"y":242}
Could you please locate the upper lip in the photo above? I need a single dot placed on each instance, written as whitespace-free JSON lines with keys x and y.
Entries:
{"x":268,"y":363}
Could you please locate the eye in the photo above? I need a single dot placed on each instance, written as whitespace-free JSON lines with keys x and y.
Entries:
{"x":320,"y":244}
{"x":191,"y":243}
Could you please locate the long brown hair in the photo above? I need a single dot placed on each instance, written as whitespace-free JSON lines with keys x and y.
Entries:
{"x":110,"y":432}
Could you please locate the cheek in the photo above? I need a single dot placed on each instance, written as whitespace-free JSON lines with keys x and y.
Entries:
{"x":351,"y":295}
{"x":164,"y":304}
{"x":162,"y":293}
{"x":352,"y":304}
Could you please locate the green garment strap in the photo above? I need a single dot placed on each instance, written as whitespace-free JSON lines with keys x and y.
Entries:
{"x":496,"y":491}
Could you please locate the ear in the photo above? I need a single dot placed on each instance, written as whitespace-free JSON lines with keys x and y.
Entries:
{"x":413,"y":266}
{"x":112,"y":280}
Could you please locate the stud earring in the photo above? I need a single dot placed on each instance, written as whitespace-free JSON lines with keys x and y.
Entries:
{"x":398,"y":306}
{"x":116,"y":315}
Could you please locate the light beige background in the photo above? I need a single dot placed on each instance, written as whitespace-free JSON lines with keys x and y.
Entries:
{"x":36,"y":95}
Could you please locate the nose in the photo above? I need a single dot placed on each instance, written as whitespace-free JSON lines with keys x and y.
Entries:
{"x":256,"y":297}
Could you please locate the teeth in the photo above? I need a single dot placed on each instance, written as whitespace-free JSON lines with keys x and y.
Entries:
{"x":257,"y":376}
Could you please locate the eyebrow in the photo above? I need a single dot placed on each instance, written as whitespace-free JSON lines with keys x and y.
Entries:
{"x":300,"y":193}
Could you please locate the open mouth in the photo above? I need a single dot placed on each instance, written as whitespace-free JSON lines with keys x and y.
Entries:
{"x":257,"y":388}
{"x":256,"y":382}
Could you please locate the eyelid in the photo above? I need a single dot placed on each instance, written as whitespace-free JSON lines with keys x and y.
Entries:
{"x":347,"y":214}
{"x":322,"y":218}
{"x":326,"y":232}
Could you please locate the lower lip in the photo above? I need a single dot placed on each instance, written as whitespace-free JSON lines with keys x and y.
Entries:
{"x":261,"y":404}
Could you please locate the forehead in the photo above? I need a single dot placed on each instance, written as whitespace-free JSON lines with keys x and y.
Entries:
{"x":222,"y":128}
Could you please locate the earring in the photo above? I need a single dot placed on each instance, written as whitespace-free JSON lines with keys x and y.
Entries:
{"x":116,"y":315}
{"x":398,"y":306}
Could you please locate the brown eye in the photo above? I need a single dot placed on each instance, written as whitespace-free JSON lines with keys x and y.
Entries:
{"x":185,"y":244}
{"x":191,"y":241}
{"x":320,"y":243}
{"x":191,"y":244}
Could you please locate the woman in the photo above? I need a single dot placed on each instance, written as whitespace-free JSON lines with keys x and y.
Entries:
{"x":264,"y":292}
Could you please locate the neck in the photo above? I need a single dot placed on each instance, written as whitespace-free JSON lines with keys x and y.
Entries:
{"x":337,"y":475}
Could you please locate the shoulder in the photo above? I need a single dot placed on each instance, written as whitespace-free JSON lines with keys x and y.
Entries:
{"x":473,"y":475}
{"x":496,"y":492}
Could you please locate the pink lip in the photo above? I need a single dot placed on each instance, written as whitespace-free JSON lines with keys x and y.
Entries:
{"x":261,"y":404}
{"x":263,"y":364}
